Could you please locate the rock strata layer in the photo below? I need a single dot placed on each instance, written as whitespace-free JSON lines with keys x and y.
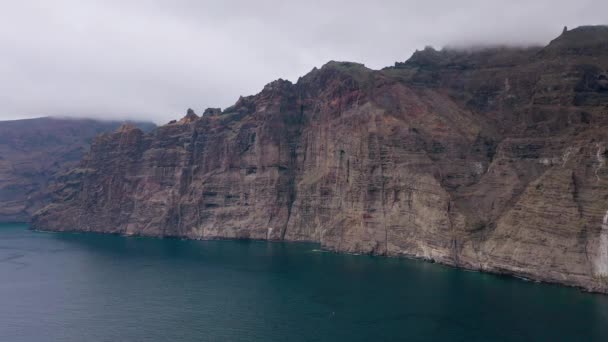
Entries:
{"x":490,"y":159}
{"x":33,"y":152}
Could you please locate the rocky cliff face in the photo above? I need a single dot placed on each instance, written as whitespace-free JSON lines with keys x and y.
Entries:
{"x":490,"y":159}
{"x":33,"y":152}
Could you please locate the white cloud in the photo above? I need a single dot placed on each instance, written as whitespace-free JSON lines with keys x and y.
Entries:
{"x":152,"y":59}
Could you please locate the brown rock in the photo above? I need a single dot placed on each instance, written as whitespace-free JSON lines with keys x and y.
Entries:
{"x":34,"y":152}
{"x":212,"y":111}
{"x":491,"y":159}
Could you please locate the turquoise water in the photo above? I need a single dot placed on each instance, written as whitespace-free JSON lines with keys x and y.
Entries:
{"x":90,"y":287}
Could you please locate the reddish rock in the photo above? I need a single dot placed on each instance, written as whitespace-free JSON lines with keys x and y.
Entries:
{"x":34,"y":152}
{"x":490,"y":159}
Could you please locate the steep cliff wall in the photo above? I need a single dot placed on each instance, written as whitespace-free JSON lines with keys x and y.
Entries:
{"x":490,"y":159}
{"x":34,"y":151}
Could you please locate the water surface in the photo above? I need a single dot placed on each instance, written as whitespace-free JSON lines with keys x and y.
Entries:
{"x":91,"y":287}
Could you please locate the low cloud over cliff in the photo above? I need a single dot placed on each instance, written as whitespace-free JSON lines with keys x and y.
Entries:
{"x":152,"y":59}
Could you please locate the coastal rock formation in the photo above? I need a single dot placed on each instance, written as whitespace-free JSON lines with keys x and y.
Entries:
{"x":212,"y":111}
{"x":490,"y":159}
{"x":33,"y":152}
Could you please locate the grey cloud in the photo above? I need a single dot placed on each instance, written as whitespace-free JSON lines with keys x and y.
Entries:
{"x":151,"y":59}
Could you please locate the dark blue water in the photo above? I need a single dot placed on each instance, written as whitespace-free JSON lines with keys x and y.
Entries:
{"x":89,"y":287}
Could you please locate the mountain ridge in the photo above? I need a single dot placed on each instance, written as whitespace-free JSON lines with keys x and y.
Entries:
{"x":34,"y":151}
{"x":491,"y":160}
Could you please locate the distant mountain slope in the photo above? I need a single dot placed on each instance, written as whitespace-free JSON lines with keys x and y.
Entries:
{"x":33,"y":151}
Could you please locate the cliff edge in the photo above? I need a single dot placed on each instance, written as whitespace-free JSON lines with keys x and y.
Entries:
{"x":491,"y":159}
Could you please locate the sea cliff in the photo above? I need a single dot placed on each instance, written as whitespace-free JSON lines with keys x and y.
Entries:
{"x":491,"y":159}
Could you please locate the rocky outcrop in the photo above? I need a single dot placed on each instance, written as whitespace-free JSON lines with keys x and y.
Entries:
{"x":34,"y":152}
{"x":491,"y":159}
{"x":212,"y":111}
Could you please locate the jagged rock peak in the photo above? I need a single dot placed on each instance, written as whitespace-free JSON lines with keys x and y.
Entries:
{"x":277,"y":85}
{"x":126,"y":127}
{"x":332,"y":66}
{"x":588,"y":33}
{"x":190,"y":116}
{"x":343,"y":65}
{"x":350,"y":68}
{"x":245,"y":104}
{"x":190,"y":113}
{"x":212,"y":111}
{"x":459,"y":57}
{"x":333,"y":69}
{"x":428,"y":56}
{"x":583,"y":40}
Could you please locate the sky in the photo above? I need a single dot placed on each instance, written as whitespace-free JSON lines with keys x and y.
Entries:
{"x":153,"y":59}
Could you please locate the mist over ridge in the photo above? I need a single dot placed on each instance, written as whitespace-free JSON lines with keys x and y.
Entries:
{"x":150,"y":59}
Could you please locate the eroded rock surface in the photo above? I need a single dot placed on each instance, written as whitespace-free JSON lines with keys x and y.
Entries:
{"x":491,"y":159}
{"x":34,"y":152}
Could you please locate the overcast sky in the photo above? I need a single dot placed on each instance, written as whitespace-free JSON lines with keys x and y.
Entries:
{"x":152,"y":59}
